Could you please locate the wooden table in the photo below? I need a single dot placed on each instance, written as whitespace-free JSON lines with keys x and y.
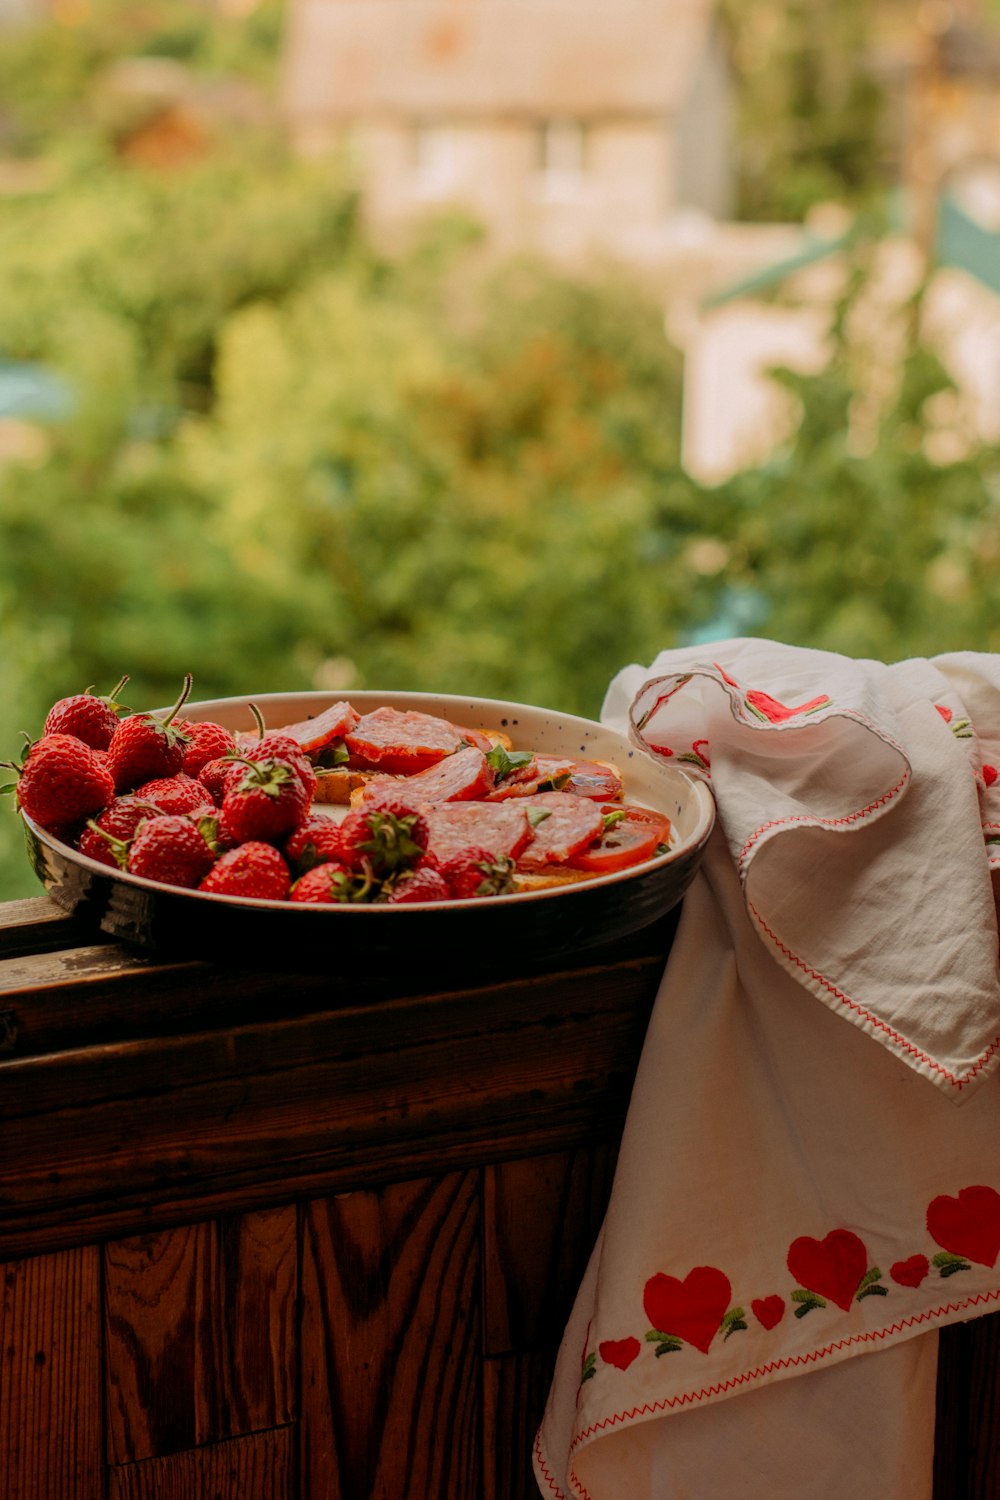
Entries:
{"x":265,"y":1234}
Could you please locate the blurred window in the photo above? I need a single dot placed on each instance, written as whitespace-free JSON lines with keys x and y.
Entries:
{"x":562,"y":150}
{"x":435,"y":157}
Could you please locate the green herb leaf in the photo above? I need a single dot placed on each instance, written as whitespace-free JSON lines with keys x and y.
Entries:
{"x":538,"y":815}
{"x":504,"y":761}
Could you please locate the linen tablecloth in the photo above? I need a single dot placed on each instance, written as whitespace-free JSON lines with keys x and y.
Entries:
{"x":810,"y":1169}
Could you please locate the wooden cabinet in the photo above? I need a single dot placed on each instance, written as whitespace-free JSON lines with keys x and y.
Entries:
{"x":267,"y":1237}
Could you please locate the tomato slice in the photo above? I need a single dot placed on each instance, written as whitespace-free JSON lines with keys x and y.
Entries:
{"x":629,"y":840}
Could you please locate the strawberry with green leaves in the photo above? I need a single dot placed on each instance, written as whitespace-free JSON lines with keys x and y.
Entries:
{"x":315,"y":841}
{"x":172,"y":850}
{"x":422,"y":884}
{"x":478,"y":872}
{"x":333,"y":884}
{"x":267,"y":801}
{"x":61,"y":781}
{"x":148,"y":745}
{"x":90,"y":718}
{"x":253,"y":870}
{"x":386,"y":839}
{"x":107,"y":837}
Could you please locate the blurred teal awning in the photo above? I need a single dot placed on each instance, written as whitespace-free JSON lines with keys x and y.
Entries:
{"x":29,"y":390}
{"x":966,"y":244}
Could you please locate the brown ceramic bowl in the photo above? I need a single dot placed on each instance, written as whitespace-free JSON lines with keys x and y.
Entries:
{"x":484,"y":935}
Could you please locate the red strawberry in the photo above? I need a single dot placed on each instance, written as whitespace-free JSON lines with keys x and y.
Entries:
{"x":145,"y":746}
{"x":387,"y":838}
{"x":214,"y":775}
{"x":177,"y":794}
{"x":107,"y":837}
{"x":419,"y":885}
{"x":267,"y":801}
{"x":206,"y":741}
{"x":62,"y":781}
{"x":331,"y":884}
{"x":477,"y":872}
{"x":172,"y":850}
{"x":315,"y":841}
{"x":254,"y":869}
{"x":275,"y":745}
{"x":93,"y":720}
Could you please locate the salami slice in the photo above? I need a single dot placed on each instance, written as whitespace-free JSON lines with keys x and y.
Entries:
{"x":332,"y":724}
{"x":567,"y":825}
{"x":458,"y":778}
{"x":500,"y":827}
{"x":584,"y":778}
{"x":402,"y":741}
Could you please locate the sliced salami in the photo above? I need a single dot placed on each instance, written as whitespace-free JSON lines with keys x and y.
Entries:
{"x":500,"y":827}
{"x":402,"y":741}
{"x":332,"y":724}
{"x":584,"y":778}
{"x":458,"y":778}
{"x":563,"y":825}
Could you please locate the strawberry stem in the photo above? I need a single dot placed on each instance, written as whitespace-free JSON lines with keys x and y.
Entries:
{"x":258,"y":719}
{"x":185,"y":691}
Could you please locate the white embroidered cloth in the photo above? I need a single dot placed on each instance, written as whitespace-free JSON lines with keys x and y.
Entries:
{"x":796,"y":1185}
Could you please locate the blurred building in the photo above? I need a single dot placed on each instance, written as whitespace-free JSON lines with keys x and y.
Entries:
{"x":564,"y":125}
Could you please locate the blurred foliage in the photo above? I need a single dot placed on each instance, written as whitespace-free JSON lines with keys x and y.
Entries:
{"x":812,"y":125}
{"x":294,"y":460}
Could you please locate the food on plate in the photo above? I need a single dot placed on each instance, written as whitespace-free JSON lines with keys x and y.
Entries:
{"x":429,"y":810}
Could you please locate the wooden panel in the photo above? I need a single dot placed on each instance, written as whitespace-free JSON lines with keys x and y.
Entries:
{"x":50,"y":1396}
{"x":515,"y":1389}
{"x":100,"y":1138}
{"x":200,"y":1334}
{"x":540,"y":1221}
{"x":390,"y":1340}
{"x":967,"y":1437}
{"x":37,"y":925}
{"x":249,"y":1468}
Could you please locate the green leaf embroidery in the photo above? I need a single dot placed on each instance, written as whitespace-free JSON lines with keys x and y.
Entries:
{"x":807,"y":1302}
{"x":868,"y":1286}
{"x":666,"y":1343}
{"x":733,"y":1321}
{"x":948,"y":1264}
{"x":589,"y":1367}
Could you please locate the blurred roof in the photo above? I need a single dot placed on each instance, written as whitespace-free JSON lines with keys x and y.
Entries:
{"x":347,"y":58}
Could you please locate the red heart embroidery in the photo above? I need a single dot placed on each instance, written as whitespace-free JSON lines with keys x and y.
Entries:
{"x":910,"y":1272}
{"x":989,"y":775}
{"x":619,"y":1352}
{"x":691,"y":1309}
{"x":968,"y":1225}
{"x":768,"y":1311}
{"x":832,"y":1268}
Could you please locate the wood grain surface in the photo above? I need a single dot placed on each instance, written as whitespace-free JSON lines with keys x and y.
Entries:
{"x":260,"y":1467}
{"x":200,"y":1334}
{"x":391,"y":1338}
{"x":50,"y":1374}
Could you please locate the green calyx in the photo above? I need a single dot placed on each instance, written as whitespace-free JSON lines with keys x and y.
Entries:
{"x":391,"y":846}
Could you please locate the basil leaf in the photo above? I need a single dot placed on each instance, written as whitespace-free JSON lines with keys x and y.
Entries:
{"x":504,"y":761}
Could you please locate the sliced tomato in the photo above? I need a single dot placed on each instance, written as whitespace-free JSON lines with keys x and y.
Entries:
{"x":629,"y":839}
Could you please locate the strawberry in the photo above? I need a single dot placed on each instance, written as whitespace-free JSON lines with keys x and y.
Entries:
{"x":477,"y":872}
{"x":214,"y":775}
{"x":107,"y":837}
{"x":177,"y":794}
{"x":267,"y":801}
{"x":275,"y":745}
{"x":423,"y":884}
{"x":61,"y":781}
{"x":316,"y":840}
{"x":206,"y":741}
{"x":93,"y":720}
{"x":331,"y":883}
{"x":172,"y":850}
{"x":253,"y":869}
{"x":387,"y":838}
{"x":145,"y":746}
